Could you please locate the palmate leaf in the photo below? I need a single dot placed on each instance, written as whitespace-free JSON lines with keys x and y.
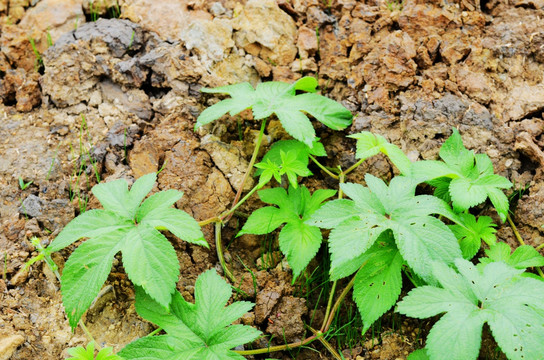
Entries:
{"x":80,"y":353}
{"x":473,"y":231}
{"x":148,"y":257}
{"x":357,"y":223}
{"x":523,"y":257}
{"x":494,"y":293}
{"x":471,"y":178}
{"x":369,"y":144}
{"x":194,"y":331}
{"x":280,"y":99}
{"x":298,"y":241}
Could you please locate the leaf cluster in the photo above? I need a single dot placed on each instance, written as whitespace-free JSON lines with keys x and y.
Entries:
{"x":494,"y":293}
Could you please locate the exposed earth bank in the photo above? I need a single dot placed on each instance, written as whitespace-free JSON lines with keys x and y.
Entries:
{"x":115,"y":98}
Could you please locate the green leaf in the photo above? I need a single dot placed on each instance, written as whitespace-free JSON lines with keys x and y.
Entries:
{"x":177,"y":222}
{"x":299,"y":241}
{"x":420,"y":237}
{"x":473,"y":231}
{"x":281,"y":99}
{"x":378,"y":283}
{"x":80,"y":353}
{"x":472,"y":178}
{"x":124,"y":225}
{"x":494,"y":293}
{"x":91,"y":223}
{"x":207,"y":331}
{"x":369,"y":144}
{"x":263,"y":221}
{"x":86,"y":271}
{"x":151,"y":262}
{"x":420,"y":354}
{"x":523,"y":257}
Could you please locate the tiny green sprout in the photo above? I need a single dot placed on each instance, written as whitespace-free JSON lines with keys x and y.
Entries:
{"x":80,"y":353}
{"x":43,"y":254}
{"x":290,"y":166}
{"x":23,"y":185}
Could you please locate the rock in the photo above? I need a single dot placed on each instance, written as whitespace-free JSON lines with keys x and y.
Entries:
{"x":276,"y":41}
{"x":209,"y":39}
{"x":9,"y":344}
{"x":22,"y":88}
{"x":229,"y":160}
{"x":475,"y":84}
{"x":306,"y":42}
{"x":233,"y":69}
{"x":51,"y":18}
{"x":524,"y":100}
{"x":420,"y":20}
{"x":388,"y":67}
{"x":168,"y":18}
{"x":334,"y":63}
{"x":83,"y":56}
{"x":16,"y":48}
{"x":31,"y":206}
{"x":455,"y":46}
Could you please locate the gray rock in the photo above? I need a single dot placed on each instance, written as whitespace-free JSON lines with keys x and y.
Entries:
{"x":32,"y":206}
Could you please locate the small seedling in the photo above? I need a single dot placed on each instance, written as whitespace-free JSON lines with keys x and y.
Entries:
{"x":124,"y":225}
{"x":298,"y":241}
{"x":80,"y":353}
{"x":495,"y":294}
{"x":23,"y":185}
{"x":196,"y":331}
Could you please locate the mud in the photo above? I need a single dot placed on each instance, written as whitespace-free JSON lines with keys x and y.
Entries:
{"x":118,"y":98}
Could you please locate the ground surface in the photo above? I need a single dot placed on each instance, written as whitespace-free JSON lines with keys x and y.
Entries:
{"x":118,"y":99}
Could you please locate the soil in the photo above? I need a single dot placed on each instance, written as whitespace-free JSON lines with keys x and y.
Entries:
{"x":118,"y":97}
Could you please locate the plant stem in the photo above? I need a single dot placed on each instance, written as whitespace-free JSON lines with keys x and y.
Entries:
{"x":514,"y":229}
{"x":520,"y":240}
{"x":249,"y":168}
{"x":322,"y":167}
{"x":326,"y":343}
{"x":338,"y":302}
{"x":354,"y":166}
{"x":220,"y":253}
{"x":225,"y":216}
{"x":154,"y":332}
{"x":329,"y":304}
{"x":271,"y":349}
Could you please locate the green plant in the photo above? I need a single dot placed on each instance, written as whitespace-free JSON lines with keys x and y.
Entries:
{"x":124,"y":225}
{"x":464,"y":178}
{"x":495,"y":294}
{"x":23,"y":185}
{"x":80,"y":353}
{"x":193,"y":331}
{"x":280,"y":99}
{"x":298,"y":241}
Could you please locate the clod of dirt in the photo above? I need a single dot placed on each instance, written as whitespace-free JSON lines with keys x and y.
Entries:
{"x":286,"y":322}
{"x":9,"y":344}
{"x":276,"y":42}
{"x":229,"y":160}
